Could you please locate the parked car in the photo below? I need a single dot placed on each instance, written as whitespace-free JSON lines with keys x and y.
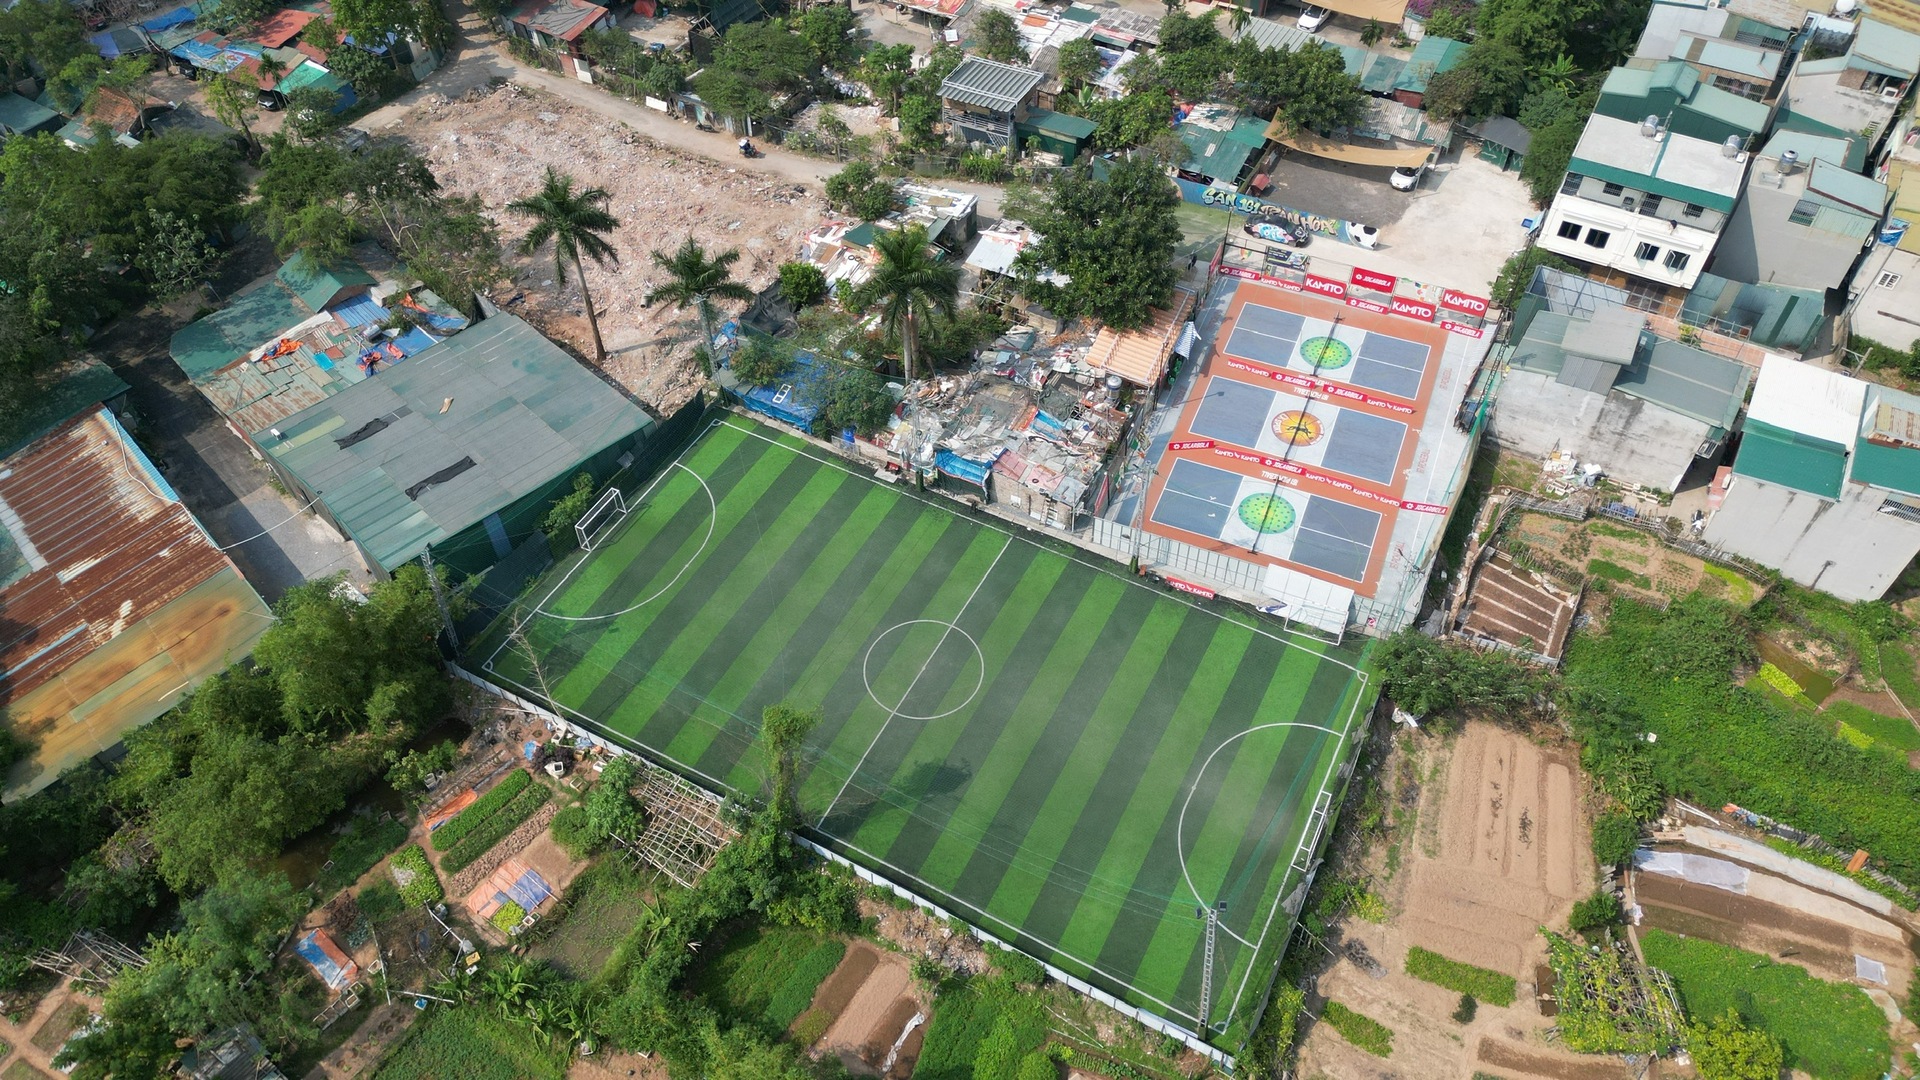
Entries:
{"x":1313,"y":18}
{"x":269,"y":100}
{"x":1406,"y":178}
{"x":1277,"y":230}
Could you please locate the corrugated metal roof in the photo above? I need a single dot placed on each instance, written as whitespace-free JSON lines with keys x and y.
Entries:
{"x":1268,"y":34}
{"x":1431,"y":57}
{"x":1140,"y":356}
{"x":22,"y":116}
{"x":990,"y":84}
{"x":1676,"y":377}
{"x":1802,"y":462}
{"x":522,"y":412}
{"x":105,"y":543}
{"x":319,"y":286}
{"x":1212,"y":154}
{"x":1808,"y":147}
{"x":1887,"y":454}
{"x":1862,"y":193}
{"x":562,"y":19}
{"x":257,"y":314}
{"x":1890,"y":48}
{"x":1799,"y":397}
{"x":1066,"y":125}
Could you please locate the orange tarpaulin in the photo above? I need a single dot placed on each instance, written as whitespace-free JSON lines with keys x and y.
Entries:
{"x":445,"y":814}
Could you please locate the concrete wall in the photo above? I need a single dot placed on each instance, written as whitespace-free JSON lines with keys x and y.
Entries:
{"x":1626,"y":230}
{"x":1846,"y":548}
{"x":1635,"y":442}
{"x":1760,"y":245}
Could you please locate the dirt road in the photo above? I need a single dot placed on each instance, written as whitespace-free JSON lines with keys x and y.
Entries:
{"x":483,"y":58}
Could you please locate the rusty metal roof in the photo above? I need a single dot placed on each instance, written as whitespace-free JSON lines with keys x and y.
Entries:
{"x":92,"y":541}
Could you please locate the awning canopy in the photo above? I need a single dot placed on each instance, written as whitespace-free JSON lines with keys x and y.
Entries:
{"x":1389,"y":12}
{"x":1389,"y":157}
{"x":1140,"y":356}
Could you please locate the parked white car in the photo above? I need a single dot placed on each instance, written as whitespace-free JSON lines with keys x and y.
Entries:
{"x":1313,"y":18}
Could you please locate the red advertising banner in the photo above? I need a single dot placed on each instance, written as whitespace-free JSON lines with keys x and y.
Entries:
{"x":1463,"y":329}
{"x":1190,"y":587}
{"x":1354,"y":301}
{"x":1191,"y":444}
{"x":1459,"y":301}
{"x":1412,"y":309}
{"x":1326,"y":286}
{"x":1316,"y":387}
{"x":1368,"y":279}
{"x":1310,"y":473}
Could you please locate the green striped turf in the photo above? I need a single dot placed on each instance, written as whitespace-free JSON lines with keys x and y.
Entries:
{"x":1045,"y":801}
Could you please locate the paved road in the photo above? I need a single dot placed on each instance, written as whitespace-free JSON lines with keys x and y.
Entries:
{"x":483,"y":58}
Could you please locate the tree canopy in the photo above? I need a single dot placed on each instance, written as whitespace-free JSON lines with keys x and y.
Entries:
{"x":1113,"y":239}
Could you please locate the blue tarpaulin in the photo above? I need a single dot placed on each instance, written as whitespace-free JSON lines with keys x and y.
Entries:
{"x":325,"y":958}
{"x":793,"y":400}
{"x":121,"y":42}
{"x":1047,"y":427}
{"x":530,"y":891}
{"x":359,"y":311}
{"x":171,"y":19}
{"x":415,"y":340}
{"x":973,"y":472}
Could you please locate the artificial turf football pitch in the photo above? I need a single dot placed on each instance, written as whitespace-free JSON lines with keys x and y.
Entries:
{"x":1070,"y":758}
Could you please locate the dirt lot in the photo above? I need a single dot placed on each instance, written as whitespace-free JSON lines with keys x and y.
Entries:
{"x":871,"y":1001}
{"x":496,"y":143}
{"x":1659,"y":572}
{"x":1499,"y":848}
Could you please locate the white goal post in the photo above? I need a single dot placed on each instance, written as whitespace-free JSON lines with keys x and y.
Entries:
{"x":607,"y":511}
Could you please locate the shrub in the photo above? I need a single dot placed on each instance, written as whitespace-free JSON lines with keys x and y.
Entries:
{"x":1616,"y":835}
{"x":1362,"y":1031}
{"x":414,"y":875}
{"x":482,"y":808}
{"x":568,"y":509}
{"x":760,"y":362}
{"x":1595,"y":913}
{"x":380,"y":901}
{"x":572,"y":832}
{"x":363,"y":845}
{"x":1464,"y":1012}
{"x":802,"y":284}
{"x":1019,"y":967}
{"x":506,"y":918}
{"x":1489,"y":986}
{"x":481,"y":838}
{"x":1779,"y":680}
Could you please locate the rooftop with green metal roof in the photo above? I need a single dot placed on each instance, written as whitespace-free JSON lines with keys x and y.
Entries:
{"x":433,"y":446}
{"x":250,"y":319}
{"x":1432,"y":56}
{"x":24,"y":116}
{"x":1802,"y":462}
{"x":1887,"y":453}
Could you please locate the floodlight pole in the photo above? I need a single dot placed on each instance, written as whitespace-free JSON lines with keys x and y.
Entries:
{"x":440,"y":598}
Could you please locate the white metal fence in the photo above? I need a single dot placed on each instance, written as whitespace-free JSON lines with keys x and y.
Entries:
{"x":1154,"y":1023}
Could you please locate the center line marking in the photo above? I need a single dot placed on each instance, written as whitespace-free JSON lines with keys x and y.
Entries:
{"x":895,"y":711}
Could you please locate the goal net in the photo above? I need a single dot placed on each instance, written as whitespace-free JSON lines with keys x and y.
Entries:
{"x":608,"y":511}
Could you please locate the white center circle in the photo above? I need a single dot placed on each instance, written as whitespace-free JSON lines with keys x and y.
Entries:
{"x":980,"y":668}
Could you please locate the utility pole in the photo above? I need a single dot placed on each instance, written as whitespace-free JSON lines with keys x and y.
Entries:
{"x":440,"y":597}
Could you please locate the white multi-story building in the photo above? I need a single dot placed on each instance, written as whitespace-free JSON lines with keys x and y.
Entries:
{"x":1644,"y":200}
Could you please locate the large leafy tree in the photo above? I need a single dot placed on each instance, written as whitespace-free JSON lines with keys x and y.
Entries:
{"x":1315,"y":92}
{"x":755,"y":63}
{"x":332,"y":682}
{"x":42,"y":35}
{"x":1113,"y":239}
{"x":832,"y":34}
{"x":578,"y":223}
{"x":1079,"y":63}
{"x":888,"y":70}
{"x":911,"y":283}
{"x":695,"y":280}
{"x":1491,"y":79}
{"x":999,"y":37}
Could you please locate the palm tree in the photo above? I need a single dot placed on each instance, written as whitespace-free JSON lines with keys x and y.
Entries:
{"x":577,"y":222}
{"x":909,"y":284}
{"x":1240,"y":16}
{"x":696,"y":281}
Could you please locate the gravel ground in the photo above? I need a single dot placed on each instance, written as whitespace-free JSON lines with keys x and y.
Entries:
{"x":496,"y":143}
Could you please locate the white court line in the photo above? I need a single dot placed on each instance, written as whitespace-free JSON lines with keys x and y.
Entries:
{"x":952,"y":625}
{"x":1288,"y":637}
{"x":1338,"y":754}
{"x":587,"y":557}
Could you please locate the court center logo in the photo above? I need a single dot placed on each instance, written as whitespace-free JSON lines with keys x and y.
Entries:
{"x":1266,"y":513}
{"x":1298,"y":428}
{"x":1326,"y":353}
